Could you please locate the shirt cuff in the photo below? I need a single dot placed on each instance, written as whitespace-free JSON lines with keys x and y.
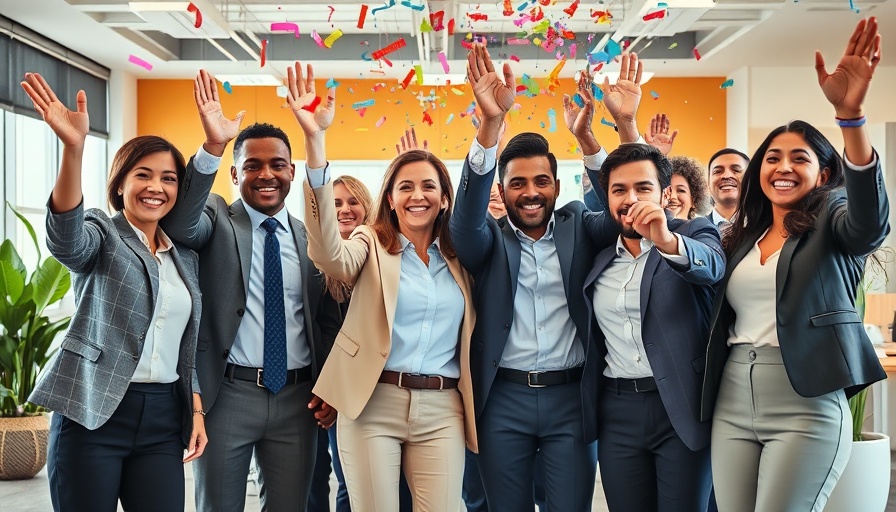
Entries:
{"x":855,"y":167}
{"x":206,"y":163}
{"x":490,"y":157}
{"x":595,"y":161}
{"x":318,"y":177}
{"x":682,"y":257}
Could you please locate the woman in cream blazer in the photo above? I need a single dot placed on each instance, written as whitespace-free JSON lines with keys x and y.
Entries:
{"x":399,"y":371}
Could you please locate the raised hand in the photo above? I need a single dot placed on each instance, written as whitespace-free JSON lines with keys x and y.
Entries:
{"x":301,"y":97}
{"x":578,"y":119}
{"x":648,"y":219}
{"x":219,"y":130}
{"x":494,"y":97}
{"x":658,"y":134}
{"x":847,"y":86}
{"x":70,"y":126}
{"x":623,"y":97}
{"x":409,"y":142}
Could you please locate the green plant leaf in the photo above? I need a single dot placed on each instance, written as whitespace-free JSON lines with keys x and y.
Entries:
{"x":50,"y":283}
{"x":9,"y":253}
{"x":12,"y":283}
{"x":28,"y":227}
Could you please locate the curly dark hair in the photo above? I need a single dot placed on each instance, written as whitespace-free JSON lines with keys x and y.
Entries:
{"x":692,"y":171}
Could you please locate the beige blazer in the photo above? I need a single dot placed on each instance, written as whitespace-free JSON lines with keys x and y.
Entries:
{"x":352,"y":370}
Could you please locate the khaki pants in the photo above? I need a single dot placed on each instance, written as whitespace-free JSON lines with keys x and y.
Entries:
{"x":772,"y":449}
{"x":418,"y":431}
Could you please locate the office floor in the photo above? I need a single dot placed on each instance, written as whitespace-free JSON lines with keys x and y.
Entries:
{"x":32,"y":495}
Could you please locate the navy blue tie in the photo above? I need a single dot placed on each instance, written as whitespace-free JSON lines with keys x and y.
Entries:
{"x":274,"y":311}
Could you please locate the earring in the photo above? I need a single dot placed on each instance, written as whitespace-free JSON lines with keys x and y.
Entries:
{"x":120,"y":192}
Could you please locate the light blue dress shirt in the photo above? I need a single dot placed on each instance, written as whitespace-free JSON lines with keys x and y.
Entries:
{"x":248,"y":347}
{"x":429,"y":310}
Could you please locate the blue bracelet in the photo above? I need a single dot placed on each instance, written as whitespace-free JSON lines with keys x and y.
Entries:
{"x":850,"y":123}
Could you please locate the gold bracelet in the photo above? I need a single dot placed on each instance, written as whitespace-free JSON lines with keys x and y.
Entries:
{"x":199,"y":411}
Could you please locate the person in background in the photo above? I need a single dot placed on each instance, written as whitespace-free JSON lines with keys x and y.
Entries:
{"x":687,"y":196}
{"x":726,"y":170}
{"x":122,"y":386}
{"x":787,"y":347}
{"x":260,"y":341}
{"x":399,"y":369}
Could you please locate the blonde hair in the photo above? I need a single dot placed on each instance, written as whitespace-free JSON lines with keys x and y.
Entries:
{"x":340,"y":291}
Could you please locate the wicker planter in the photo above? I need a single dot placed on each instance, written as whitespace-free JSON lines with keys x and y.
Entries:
{"x":23,"y":446}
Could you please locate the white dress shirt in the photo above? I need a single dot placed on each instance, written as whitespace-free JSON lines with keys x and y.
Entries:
{"x":751,"y":293}
{"x":173,"y":306}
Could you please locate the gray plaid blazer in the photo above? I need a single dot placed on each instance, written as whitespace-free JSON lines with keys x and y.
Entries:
{"x":116,"y":281}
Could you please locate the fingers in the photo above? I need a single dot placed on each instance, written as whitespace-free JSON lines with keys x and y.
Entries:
{"x":34,"y":81}
{"x":202,"y":97}
{"x":672,"y":138}
{"x":509,"y":79}
{"x":820,"y":70}
{"x":486,"y":58}
{"x":39,"y":104}
{"x":211,"y":87}
{"x":874,"y":53}
{"x":664,"y":123}
{"x":865,"y":36}
{"x":314,"y":402}
{"x":567,"y":103}
{"x":481,"y":65}
{"x":81,"y":100}
{"x":639,"y":66}
{"x":196,"y":95}
{"x":654,"y":125}
{"x":472,"y":69}
{"x":397,"y":149}
{"x":300,"y":81}
{"x":47,"y":90}
{"x":623,"y":68}
{"x":425,"y":145}
{"x":854,"y":38}
{"x":310,"y":80}
{"x":414,"y":138}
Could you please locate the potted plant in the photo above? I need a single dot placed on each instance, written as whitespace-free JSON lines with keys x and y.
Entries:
{"x":865,"y":482}
{"x":26,"y":335}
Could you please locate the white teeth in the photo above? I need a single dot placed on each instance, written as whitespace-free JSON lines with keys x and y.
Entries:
{"x":154,"y":202}
{"x":783,"y":184}
{"x":417,"y":208}
{"x":267,"y":189}
{"x":531,"y":206}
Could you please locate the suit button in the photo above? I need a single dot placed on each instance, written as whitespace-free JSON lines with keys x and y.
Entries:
{"x":240,"y":312}
{"x":506,"y":327}
{"x":752,"y":355}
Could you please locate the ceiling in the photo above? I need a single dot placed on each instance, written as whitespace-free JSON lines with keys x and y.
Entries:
{"x":728,"y":34}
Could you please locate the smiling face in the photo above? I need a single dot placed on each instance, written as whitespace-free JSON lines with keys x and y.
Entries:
{"x":628,"y":184}
{"x":680,"y":202}
{"x":149,"y":191}
{"x":725,"y":174}
{"x":417,"y":197}
{"x":530,"y":192}
{"x":790,"y":170}
{"x":263,"y":171}
{"x":349,"y":211}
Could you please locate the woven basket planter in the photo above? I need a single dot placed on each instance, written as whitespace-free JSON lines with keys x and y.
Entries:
{"x":23,"y":446}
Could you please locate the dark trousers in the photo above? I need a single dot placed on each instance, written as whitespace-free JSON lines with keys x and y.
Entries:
{"x":473,"y":493}
{"x":136,"y":456}
{"x":516,"y":423}
{"x":319,"y":499}
{"x":644,"y":465}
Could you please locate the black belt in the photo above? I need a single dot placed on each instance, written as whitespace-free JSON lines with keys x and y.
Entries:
{"x":256,"y":375}
{"x":643,"y":385}
{"x":540,"y":379}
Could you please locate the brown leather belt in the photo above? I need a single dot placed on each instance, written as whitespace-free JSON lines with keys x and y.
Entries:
{"x":417,"y":381}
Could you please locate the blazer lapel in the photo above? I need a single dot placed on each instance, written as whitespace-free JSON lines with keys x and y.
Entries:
{"x":732,"y":262}
{"x":601,"y":261}
{"x":514,"y":252}
{"x":242,"y":231}
{"x":390,"y":273}
{"x":565,"y":242}
{"x":650,"y":266}
{"x":783,"y":267}
{"x":129,"y":237}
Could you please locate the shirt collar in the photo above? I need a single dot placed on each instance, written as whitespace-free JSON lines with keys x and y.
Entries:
{"x":717,"y":217}
{"x":548,"y":234}
{"x":164,"y":241}
{"x":256,"y":217}
{"x":621,"y":250}
{"x":405,"y":243}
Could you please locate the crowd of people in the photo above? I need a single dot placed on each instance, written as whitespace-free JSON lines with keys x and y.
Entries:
{"x":693,"y":329}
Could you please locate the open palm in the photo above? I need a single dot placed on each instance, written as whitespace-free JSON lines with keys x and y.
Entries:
{"x":218,"y":129}
{"x":494,"y":97}
{"x":848,"y":85}
{"x":301,"y":98}
{"x":70,"y":126}
{"x":622,"y":99}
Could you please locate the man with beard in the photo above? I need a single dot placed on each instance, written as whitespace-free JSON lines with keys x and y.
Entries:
{"x":533,"y":385}
{"x":653,"y":450}
{"x":726,"y":170}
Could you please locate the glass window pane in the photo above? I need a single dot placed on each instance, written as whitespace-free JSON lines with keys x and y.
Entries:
{"x":36,"y":162}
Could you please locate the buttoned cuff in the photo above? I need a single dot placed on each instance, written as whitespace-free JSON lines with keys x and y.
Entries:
{"x":318,"y":177}
{"x":682,"y":257}
{"x":490,"y":157}
{"x":206,"y":163}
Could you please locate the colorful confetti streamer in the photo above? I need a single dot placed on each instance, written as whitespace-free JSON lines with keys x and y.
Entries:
{"x":391,"y":47}
{"x":328,"y":42}
{"x":133,"y":59}
{"x":552,"y":118}
{"x":444,"y":60}
{"x":362,"y":16}
{"x":727,"y":83}
{"x":363,"y":104}
{"x":193,"y":8}
{"x":381,"y":121}
{"x":286,"y":27}
{"x":227,"y":87}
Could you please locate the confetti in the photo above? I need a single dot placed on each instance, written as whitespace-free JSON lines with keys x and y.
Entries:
{"x":391,"y":47}
{"x":363,"y":104}
{"x":407,"y":3}
{"x":457,"y":91}
{"x":437,"y":20}
{"x":133,"y":59}
{"x":451,"y":27}
{"x":727,"y":83}
{"x":508,"y":8}
{"x":362,"y":16}
{"x":477,"y":16}
{"x":577,"y":98}
{"x":514,"y":58}
{"x":383,"y":7}
{"x":656,"y":15}
{"x":361,"y":111}
{"x":607,"y":123}
{"x":381,"y":121}
{"x":444,"y":61}
{"x":696,"y":54}
{"x":418,"y":70}
{"x":264,"y":51}
{"x":332,"y":10}
{"x":450,"y":118}
{"x":193,"y":8}
{"x":852,"y":6}
{"x":365,"y":56}
{"x":655,"y":95}
{"x":407,"y":79}
{"x":317,"y":39}
{"x":227,"y":88}
{"x":427,"y":118}
{"x":572,"y":8}
{"x":673,"y":46}
{"x":572,"y":51}
{"x":328,"y":42}
{"x":552,"y":118}
{"x":313,"y":105}
{"x":425,"y":26}
{"x":286,"y":27}
{"x":331,"y":83}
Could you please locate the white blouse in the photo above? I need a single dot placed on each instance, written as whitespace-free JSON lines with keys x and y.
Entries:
{"x":751,"y":293}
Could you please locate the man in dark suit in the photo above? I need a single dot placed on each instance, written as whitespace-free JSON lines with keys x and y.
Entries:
{"x":650,"y":297}
{"x":533,"y":377}
{"x":259,"y":343}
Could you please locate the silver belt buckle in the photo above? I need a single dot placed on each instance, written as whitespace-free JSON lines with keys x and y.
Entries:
{"x":441,"y":381}
{"x":400,"y":377}
{"x":259,"y":379}
{"x":529,"y":379}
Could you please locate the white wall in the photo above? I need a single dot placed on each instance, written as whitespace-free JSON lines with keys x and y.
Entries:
{"x":122,"y":110}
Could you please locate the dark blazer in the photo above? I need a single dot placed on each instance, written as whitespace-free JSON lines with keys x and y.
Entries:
{"x":823,"y":341}
{"x":222,"y":235}
{"x":675,"y":307}
{"x":492,"y":255}
{"x":116,"y":282}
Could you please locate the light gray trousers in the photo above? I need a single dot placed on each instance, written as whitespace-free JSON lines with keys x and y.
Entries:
{"x":772,"y":449}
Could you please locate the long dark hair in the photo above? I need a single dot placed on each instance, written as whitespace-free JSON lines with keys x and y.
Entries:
{"x":384,"y":221}
{"x":754,"y":209}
